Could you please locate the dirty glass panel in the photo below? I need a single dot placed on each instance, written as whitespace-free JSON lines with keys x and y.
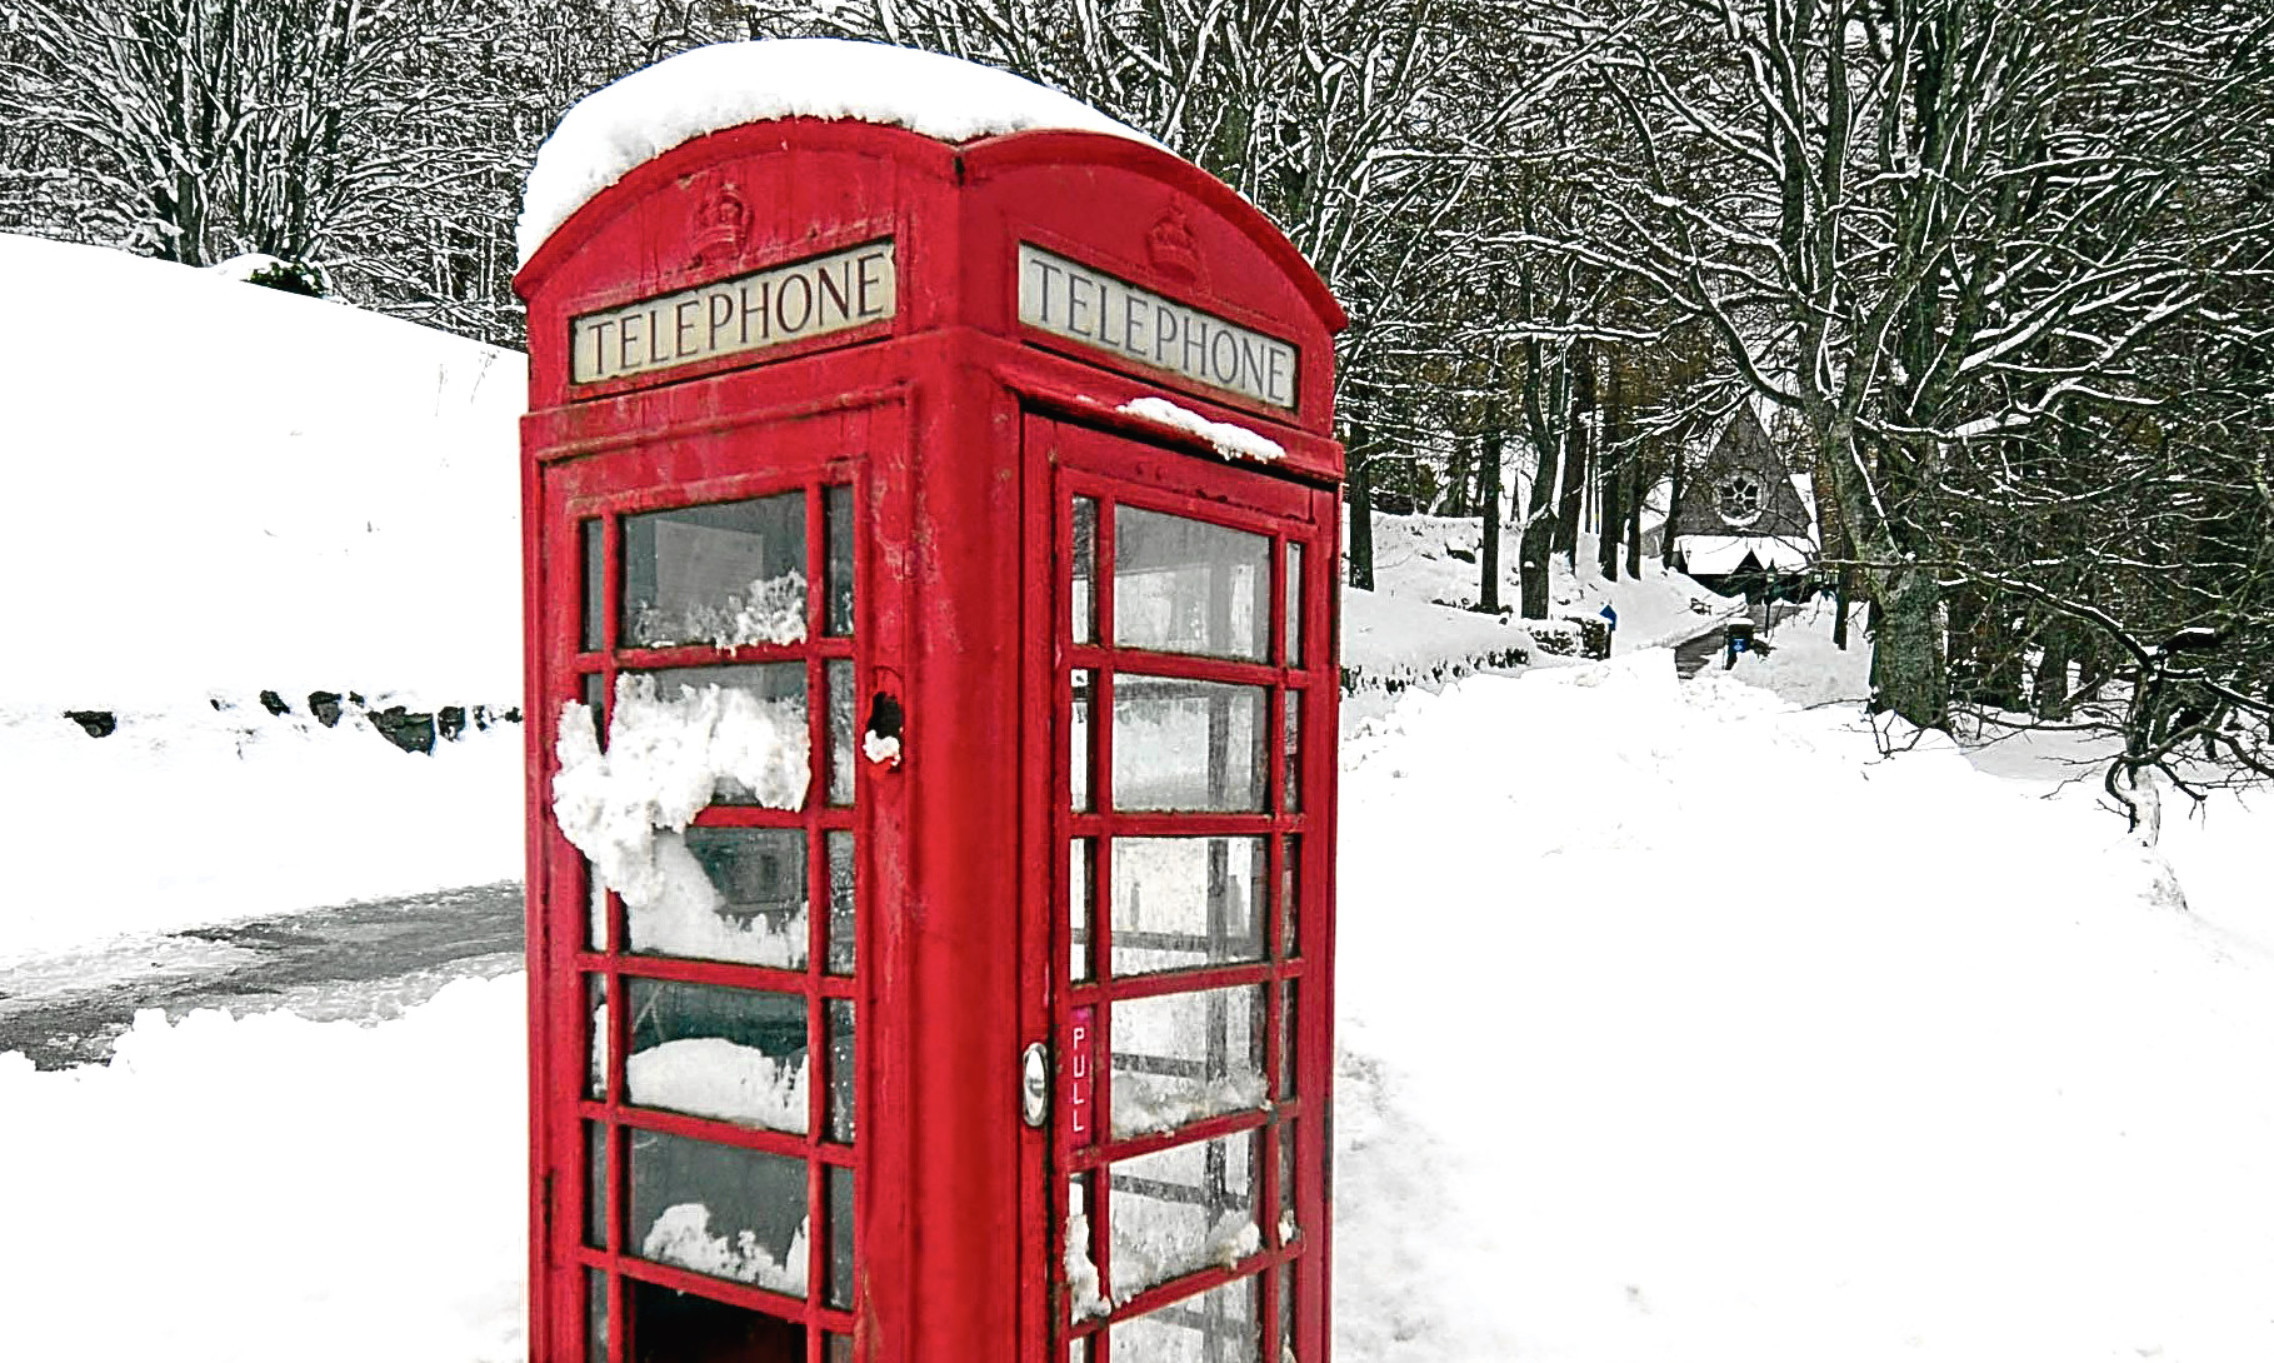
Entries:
{"x":1289,"y":1012}
{"x":1291,"y":741}
{"x":837,"y":515}
{"x":1079,"y":753}
{"x":725,"y":894}
{"x":1084,"y":1298}
{"x":598,"y":1038}
{"x":1079,"y":874}
{"x":719,"y":1210}
{"x":674,"y":1327}
{"x":733,"y":1055}
{"x":1294,"y":604}
{"x":842,"y":1085}
{"x":1185,"y":586}
{"x":595,"y":1185}
{"x":844,"y":930}
{"x":724,"y":574}
{"x":595,"y":1316}
{"x":1181,"y":1210}
{"x":1081,"y":607}
{"x":840,"y":1181}
{"x":755,"y":728}
{"x":1219,"y":1326}
{"x":837,"y":1349}
{"x":1187,"y":745}
{"x":1290,"y":897}
{"x":595,"y":585}
{"x":1185,"y":902}
{"x":842,"y":740}
{"x":1178,"y":1058}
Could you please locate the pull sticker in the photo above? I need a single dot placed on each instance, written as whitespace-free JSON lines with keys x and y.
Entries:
{"x":1081,"y":1075}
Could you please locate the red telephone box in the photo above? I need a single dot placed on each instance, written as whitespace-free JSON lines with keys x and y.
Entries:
{"x":932,"y":676}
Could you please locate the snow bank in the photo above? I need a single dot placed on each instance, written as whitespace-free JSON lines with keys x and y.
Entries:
{"x":192,"y":816}
{"x":251,"y":490}
{"x":1723,"y":1037}
{"x":712,"y":88}
{"x":270,"y":1188}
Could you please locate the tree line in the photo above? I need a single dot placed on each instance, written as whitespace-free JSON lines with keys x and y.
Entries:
{"x":2001,"y":270}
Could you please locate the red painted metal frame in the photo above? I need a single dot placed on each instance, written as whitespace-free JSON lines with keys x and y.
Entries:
{"x":960,"y":851}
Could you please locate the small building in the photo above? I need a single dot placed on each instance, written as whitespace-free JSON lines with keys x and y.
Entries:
{"x":1742,"y":522}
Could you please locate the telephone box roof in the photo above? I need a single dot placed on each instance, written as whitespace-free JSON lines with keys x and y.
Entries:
{"x":710,"y":89}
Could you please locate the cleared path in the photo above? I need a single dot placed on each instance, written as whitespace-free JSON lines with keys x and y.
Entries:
{"x":366,"y":960}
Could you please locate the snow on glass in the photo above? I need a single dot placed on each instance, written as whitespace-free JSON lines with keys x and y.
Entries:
{"x":711,"y":1076}
{"x":1179,"y":1058}
{"x":770,"y":611}
{"x":682,"y":1236}
{"x":627,"y":808}
{"x":709,"y":89}
{"x":1199,"y":1213}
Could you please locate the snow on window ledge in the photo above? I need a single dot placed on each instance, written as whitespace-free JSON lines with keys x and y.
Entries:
{"x":1228,"y":440}
{"x":710,"y":89}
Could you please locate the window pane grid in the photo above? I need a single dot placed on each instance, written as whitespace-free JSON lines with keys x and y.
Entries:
{"x":1091,"y":834}
{"x":824,"y":980}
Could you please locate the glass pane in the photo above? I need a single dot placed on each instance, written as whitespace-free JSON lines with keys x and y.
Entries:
{"x":595,"y":1185}
{"x":1219,"y":1326}
{"x":844,"y":932}
{"x":1082,"y":608}
{"x":733,"y":1055}
{"x":595,"y":586}
{"x":837,"y":510}
{"x":752,"y":732}
{"x":1180,"y":1057}
{"x":1285,"y":1290}
{"x":842,"y":1086}
{"x":1189,"y":745}
{"x":841,"y":740}
{"x":674,"y":1327}
{"x":725,"y":574}
{"x":837,"y":1349}
{"x":1084,"y":1299}
{"x":593,"y":690}
{"x":1287,"y":1227}
{"x":1185,"y":586}
{"x":1290,"y":795}
{"x":595,"y":1316}
{"x":597,"y":1041}
{"x":1288,"y":1036}
{"x":1078,"y":743}
{"x":840,"y":1237}
{"x":1181,"y":1210}
{"x":719,"y":1210}
{"x":1290,"y":898}
{"x":1184,"y":902}
{"x":1078,"y":878}
{"x":726,"y":894}
{"x":1294,"y":604}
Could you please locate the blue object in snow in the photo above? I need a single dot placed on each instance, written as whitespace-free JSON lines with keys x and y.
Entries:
{"x":1611,"y":615}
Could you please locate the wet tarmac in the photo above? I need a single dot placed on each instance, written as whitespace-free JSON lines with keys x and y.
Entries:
{"x":365,"y":961}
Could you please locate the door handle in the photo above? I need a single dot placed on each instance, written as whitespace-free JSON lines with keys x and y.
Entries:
{"x":1034,"y":1085}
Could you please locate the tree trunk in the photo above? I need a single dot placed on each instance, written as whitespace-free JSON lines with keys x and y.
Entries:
{"x":1360,"y":496}
{"x":1488,"y":497}
{"x":1909,"y":674}
{"x":1536,"y":542}
{"x":1610,"y":474}
{"x":1673,"y":505}
{"x":2049,"y":688}
{"x":1456,"y":501}
{"x":1575,"y":452}
{"x":1637,"y":489}
{"x":1840,"y":598}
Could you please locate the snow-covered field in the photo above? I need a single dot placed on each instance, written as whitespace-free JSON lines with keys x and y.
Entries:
{"x":1679,"y":1021}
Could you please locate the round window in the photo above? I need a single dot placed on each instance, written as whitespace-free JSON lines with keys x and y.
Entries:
{"x":1739,"y":498}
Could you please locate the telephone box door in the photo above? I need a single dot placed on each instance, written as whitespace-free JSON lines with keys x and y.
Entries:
{"x":1190,"y":696}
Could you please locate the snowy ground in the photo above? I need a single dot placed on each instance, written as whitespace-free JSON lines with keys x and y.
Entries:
{"x":1679,"y":1021}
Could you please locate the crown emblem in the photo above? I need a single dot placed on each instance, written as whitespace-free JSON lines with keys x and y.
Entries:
{"x":722,"y":223}
{"x":1170,"y":245}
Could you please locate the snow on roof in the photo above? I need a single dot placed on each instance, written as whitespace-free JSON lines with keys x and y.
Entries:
{"x":1228,"y":440}
{"x":713,"y":88}
{"x":1718,"y":555}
